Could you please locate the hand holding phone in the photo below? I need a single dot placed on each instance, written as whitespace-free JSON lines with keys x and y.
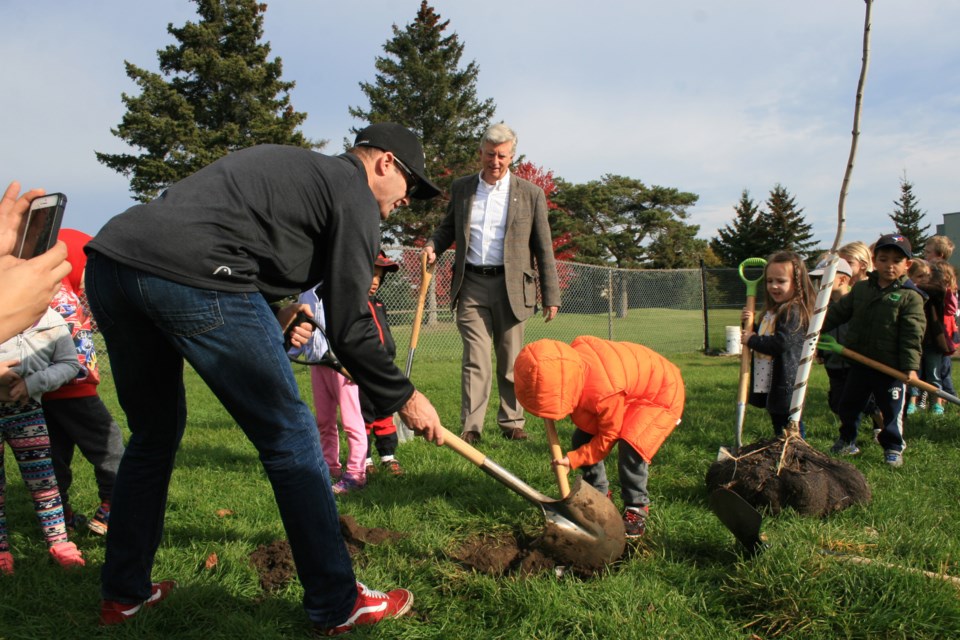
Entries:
{"x":13,"y":208}
{"x":40,"y":225}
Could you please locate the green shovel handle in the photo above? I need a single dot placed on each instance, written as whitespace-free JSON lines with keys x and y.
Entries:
{"x":751,"y":284}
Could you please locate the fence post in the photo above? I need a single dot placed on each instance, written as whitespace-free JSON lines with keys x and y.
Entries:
{"x":610,"y":304}
{"x":706,"y":317}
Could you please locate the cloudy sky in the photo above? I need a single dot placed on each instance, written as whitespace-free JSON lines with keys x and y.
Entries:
{"x":704,"y":96}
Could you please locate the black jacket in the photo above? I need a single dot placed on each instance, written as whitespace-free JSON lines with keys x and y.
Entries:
{"x":275,"y":220}
{"x":785,"y":346}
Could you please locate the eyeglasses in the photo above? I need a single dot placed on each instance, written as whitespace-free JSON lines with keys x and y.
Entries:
{"x":408,"y":176}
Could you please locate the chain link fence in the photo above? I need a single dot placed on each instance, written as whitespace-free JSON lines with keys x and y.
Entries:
{"x":668,"y":310}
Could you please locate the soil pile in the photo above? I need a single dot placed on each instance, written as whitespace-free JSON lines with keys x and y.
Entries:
{"x":274,"y":562}
{"x":779,"y":473}
{"x":502,"y":554}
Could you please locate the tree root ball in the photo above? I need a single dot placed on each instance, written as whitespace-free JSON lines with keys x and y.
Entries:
{"x":779,"y":473}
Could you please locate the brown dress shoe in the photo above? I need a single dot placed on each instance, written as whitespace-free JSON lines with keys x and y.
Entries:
{"x":470,"y":437}
{"x":515,"y":434}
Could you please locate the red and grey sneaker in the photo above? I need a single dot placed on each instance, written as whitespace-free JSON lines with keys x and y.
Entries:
{"x":371,"y":608}
{"x":113,"y":612}
{"x":100,"y":521}
{"x":635,"y":521}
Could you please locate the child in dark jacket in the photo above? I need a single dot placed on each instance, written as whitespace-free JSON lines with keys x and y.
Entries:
{"x":777,"y":340}
{"x":887,"y":323}
{"x":381,"y":432}
{"x":929,"y":279}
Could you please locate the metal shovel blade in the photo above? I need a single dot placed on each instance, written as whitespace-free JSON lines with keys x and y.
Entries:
{"x":584,"y":529}
{"x":739,"y":517}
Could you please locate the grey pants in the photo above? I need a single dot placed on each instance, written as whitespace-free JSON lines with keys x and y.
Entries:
{"x":84,"y":423}
{"x":632,"y":468}
{"x":484,"y":318}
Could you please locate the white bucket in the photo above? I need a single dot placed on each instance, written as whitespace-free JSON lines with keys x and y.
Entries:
{"x":733,"y":340}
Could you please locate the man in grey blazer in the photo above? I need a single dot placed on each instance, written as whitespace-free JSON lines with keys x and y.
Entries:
{"x":499,"y":224}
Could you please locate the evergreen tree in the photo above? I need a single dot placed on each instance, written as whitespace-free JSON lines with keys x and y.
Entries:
{"x":745,"y":238}
{"x":218,"y":93}
{"x":907,"y":216}
{"x":419,"y":84}
{"x":784,"y":225}
{"x":620,"y":221}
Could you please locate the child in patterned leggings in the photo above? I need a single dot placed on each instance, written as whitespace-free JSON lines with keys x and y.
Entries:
{"x":36,"y":361}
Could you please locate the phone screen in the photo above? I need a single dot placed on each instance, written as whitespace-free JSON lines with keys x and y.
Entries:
{"x":39,"y":227}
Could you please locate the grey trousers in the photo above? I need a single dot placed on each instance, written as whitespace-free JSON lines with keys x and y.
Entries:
{"x":84,"y":423}
{"x":632,"y":468}
{"x":485,"y":319}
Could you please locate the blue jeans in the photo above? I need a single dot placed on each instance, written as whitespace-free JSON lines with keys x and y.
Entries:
{"x":233,"y":341}
{"x":890,"y":395}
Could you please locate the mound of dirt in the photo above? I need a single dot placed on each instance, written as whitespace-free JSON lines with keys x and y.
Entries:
{"x":779,"y":473}
{"x":274,"y":562}
{"x":502,"y":554}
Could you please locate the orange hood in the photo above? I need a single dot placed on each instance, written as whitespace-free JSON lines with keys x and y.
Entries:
{"x":549,"y":378}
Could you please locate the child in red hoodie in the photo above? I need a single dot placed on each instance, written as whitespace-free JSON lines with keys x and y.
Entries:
{"x":616,"y":393}
{"x":76,"y":416}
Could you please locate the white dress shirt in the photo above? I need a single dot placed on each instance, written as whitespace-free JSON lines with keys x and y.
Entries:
{"x":488,"y":222}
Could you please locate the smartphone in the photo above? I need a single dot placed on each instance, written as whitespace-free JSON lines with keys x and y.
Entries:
{"x":40,"y":226}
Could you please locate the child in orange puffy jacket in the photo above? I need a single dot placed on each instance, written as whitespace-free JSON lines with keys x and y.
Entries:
{"x":616,"y":393}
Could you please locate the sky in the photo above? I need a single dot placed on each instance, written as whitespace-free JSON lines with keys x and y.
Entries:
{"x":699,"y":95}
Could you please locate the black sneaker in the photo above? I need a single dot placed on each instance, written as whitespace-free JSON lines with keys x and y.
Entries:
{"x":635,"y":521}
{"x":73,"y":520}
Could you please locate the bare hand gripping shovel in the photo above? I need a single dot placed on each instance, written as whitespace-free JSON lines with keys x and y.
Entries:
{"x":584,"y":529}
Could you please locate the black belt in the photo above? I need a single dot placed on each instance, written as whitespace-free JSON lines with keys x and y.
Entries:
{"x":479,"y":269}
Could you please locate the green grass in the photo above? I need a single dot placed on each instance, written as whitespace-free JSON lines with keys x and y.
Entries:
{"x":686,"y":578}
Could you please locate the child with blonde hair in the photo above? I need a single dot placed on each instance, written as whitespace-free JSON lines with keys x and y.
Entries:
{"x":859,"y":257}
{"x":777,"y":340}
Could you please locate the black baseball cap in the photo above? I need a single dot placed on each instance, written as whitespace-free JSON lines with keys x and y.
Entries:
{"x":894,"y":240}
{"x":403,"y":143}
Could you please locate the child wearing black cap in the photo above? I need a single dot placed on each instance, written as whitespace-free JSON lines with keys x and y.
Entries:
{"x":886,"y":324}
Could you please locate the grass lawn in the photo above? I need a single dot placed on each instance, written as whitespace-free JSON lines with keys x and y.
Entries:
{"x":685,"y":579}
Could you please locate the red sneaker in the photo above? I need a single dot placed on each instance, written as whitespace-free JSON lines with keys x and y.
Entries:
{"x":113,"y":612}
{"x":6,"y":563}
{"x":67,"y":555}
{"x":372,"y":607}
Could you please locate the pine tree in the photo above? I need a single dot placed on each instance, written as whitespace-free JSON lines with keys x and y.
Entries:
{"x":218,"y":92}
{"x":746,"y":238}
{"x":907,"y":216}
{"x":419,"y":84}
{"x":785,"y":226}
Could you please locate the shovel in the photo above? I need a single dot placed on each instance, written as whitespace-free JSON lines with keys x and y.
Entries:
{"x":426,"y":275}
{"x":584,"y":529}
{"x":829,"y":343}
{"x":739,"y":517}
{"x":563,"y":483}
{"x":743,"y":389}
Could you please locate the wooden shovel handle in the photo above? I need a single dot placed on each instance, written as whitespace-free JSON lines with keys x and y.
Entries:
{"x":557,"y":454}
{"x":426,"y":273}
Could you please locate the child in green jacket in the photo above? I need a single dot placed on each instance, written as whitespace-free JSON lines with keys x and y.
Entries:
{"x":886,"y":324}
